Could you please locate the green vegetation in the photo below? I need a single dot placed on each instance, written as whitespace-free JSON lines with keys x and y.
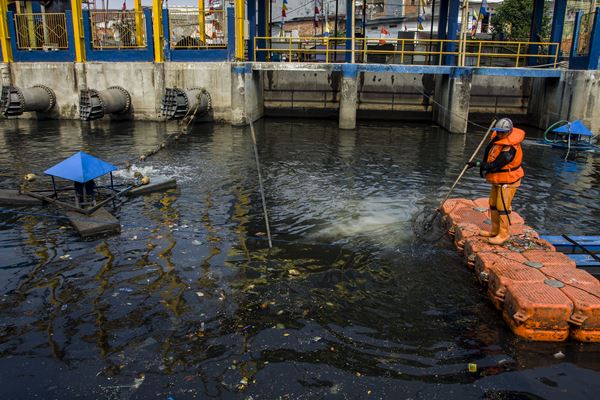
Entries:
{"x":512,"y":20}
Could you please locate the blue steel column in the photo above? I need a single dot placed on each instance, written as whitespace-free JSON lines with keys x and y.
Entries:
{"x":558,"y":23}
{"x":536,"y":30}
{"x":442,"y":25}
{"x":595,"y":42}
{"x":251,"y":13}
{"x":452,"y":33}
{"x":262,"y":28}
{"x":575,"y":38}
{"x":349,"y":32}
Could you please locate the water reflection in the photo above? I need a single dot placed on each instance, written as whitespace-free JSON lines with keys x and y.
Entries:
{"x":189,"y":301}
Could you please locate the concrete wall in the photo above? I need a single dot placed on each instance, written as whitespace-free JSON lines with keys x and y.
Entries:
{"x":500,"y":95}
{"x":576,"y":95}
{"x":144,"y":81}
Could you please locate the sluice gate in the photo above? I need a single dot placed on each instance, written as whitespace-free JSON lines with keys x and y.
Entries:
{"x":95,"y":104}
{"x":14,"y":100}
{"x":179,"y":103}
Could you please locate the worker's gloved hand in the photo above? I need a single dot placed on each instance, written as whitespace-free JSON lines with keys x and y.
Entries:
{"x":472,"y":164}
{"x":483,"y":169}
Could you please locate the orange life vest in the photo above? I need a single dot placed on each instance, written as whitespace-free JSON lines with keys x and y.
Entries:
{"x":513,"y":171}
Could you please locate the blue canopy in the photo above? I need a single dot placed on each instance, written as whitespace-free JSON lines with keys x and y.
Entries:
{"x":574,"y":128}
{"x":80,"y":167}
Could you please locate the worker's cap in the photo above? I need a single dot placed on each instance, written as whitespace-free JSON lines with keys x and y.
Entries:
{"x":503,"y":125}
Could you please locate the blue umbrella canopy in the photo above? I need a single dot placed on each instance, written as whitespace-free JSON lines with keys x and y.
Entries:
{"x":574,"y":128}
{"x":80,"y":167}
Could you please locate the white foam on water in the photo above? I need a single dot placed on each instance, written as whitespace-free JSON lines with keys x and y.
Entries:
{"x":382,"y":220}
{"x":182,"y":173}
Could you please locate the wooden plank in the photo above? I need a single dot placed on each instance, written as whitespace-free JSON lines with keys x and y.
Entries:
{"x":158,"y":186}
{"x":13,"y":198}
{"x":101,"y":222}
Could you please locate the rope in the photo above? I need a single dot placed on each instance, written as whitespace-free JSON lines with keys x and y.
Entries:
{"x":260,"y":183}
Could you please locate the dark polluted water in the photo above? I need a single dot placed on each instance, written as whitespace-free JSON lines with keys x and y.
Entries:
{"x":187,"y":302}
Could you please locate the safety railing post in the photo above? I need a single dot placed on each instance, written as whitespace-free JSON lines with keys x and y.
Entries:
{"x":326,"y":51}
{"x":201,"y":21}
{"x":4,"y":36}
{"x":77,"y":20}
{"x":402,"y":52}
{"x":157,"y":29}
{"x":290,"y":49}
{"x":139,"y":23}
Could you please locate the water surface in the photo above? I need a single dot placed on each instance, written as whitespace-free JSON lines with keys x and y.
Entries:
{"x":189,"y":302}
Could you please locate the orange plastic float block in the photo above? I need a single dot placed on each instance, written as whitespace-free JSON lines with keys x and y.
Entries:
{"x":471,"y":215}
{"x":506,"y":273}
{"x":585,"y":320}
{"x":476,"y":245}
{"x":545,"y":258}
{"x":571,"y":276}
{"x":462,"y":232}
{"x":486,"y":261}
{"x":538,"y":311}
{"x":483,"y":202}
{"x":455,"y":204}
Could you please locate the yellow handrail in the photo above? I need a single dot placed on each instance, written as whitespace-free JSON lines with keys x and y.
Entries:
{"x":475,"y":50}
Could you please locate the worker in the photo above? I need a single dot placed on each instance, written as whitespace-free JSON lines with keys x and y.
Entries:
{"x":501,"y":167}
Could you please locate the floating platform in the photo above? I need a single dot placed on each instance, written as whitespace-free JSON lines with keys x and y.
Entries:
{"x":14,"y":198}
{"x":541,"y":293}
{"x":101,"y":222}
{"x":158,"y":186}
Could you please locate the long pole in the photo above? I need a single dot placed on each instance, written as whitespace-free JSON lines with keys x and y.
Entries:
{"x":467,"y":164}
{"x":260,"y":184}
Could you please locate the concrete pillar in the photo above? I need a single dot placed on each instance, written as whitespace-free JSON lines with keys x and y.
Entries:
{"x":159,"y":89}
{"x":348,"y":96}
{"x":246,"y":94}
{"x":576,"y":95}
{"x":452,"y":98}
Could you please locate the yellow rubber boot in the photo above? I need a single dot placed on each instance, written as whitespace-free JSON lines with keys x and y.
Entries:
{"x":495,"y":218}
{"x":503,"y":233}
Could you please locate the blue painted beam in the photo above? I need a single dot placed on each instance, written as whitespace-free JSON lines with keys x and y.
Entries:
{"x":251,"y":13}
{"x":414,"y":69}
{"x":592,"y":243}
{"x":452,"y":33}
{"x":558,"y":24}
{"x":262,"y":28}
{"x":536,"y":30}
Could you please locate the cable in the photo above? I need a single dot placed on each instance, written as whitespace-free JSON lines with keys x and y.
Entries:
{"x":260,"y":184}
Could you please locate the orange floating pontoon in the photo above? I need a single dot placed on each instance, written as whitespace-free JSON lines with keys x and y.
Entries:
{"x":541,"y":293}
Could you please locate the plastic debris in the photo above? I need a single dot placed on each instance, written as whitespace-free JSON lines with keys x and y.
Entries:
{"x":138,"y":381}
{"x":286,"y":334}
{"x":65,"y":257}
{"x":280,"y":326}
{"x":472,"y":367}
{"x":559,"y":355}
{"x":196,"y":242}
{"x":199,"y":294}
{"x":294,"y":272}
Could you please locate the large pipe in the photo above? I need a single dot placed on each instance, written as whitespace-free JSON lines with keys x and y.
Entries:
{"x":179,"y":103}
{"x":15,"y":101}
{"x":95,"y":104}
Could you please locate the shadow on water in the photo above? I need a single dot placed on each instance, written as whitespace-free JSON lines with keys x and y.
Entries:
{"x":189,"y":302}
